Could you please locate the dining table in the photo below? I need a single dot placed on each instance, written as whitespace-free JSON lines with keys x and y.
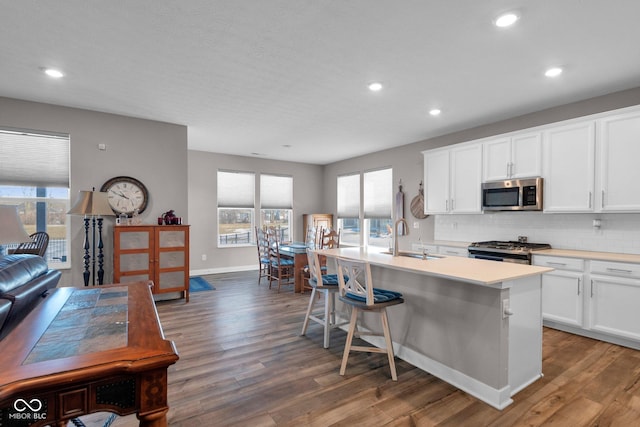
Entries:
{"x":298,"y":252}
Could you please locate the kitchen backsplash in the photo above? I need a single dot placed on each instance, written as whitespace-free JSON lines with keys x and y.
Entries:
{"x":617,"y":233}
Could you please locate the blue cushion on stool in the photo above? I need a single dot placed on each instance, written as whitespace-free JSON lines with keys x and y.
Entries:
{"x":379,"y":295}
{"x":283,"y":261}
{"x":328,"y":280}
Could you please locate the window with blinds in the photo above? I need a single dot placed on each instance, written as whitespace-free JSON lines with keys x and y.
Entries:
{"x":236,"y":207}
{"x":276,"y":204}
{"x":373,"y":210}
{"x":378,"y":206}
{"x":34,"y":175}
{"x":348,"y":208}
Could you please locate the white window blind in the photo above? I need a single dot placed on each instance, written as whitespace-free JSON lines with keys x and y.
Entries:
{"x":34,"y":160}
{"x":236,"y":189}
{"x":378,"y":193}
{"x":348,"y":203}
{"x":276,"y":192}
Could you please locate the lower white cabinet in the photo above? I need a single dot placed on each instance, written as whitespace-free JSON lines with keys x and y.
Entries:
{"x":562,"y":297}
{"x":614,"y":297}
{"x":598,"y":299}
{"x":614,"y":306}
{"x":453,"y":251}
{"x":562,"y":289}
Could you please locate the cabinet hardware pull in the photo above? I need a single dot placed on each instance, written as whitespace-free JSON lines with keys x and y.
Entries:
{"x":591,"y":288}
{"x":446,"y":205}
{"x":578,"y":286}
{"x":602,"y":200}
{"x":556,"y":263}
{"x":619,"y":270}
{"x":589,"y":199}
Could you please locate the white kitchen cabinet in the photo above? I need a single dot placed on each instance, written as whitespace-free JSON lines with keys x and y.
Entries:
{"x":618,"y":154}
{"x":614,"y":306}
{"x":511,"y":157}
{"x":597,"y":299}
{"x":453,"y":251}
{"x":436,"y":181}
{"x":452,"y":179}
{"x":466,"y":179}
{"x":569,"y":165}
{"x":614,"y":297}
{"x":562,"y":290}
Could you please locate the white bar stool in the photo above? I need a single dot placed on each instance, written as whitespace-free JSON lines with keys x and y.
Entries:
{"x":326,"y":284}
{"x":356,"y":290}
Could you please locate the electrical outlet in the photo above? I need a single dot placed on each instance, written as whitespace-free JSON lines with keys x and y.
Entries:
{"x":204,"y":257}
{"x":416,"y":224}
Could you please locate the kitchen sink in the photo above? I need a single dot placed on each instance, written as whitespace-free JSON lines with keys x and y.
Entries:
{"x":416,"y":255}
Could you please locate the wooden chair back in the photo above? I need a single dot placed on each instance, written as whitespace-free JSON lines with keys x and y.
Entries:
{"x":330,"y":239}
{"x":37,"y":246}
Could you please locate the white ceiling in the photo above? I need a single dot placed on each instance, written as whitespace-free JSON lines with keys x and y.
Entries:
{"x":288,"y":78}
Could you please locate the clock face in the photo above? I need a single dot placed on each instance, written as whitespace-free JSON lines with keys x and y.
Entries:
{"x":126,"y":194}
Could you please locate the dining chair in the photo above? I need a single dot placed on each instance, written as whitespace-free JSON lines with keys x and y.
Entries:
{"x":281,"y":268}
{"x":356,"y":290}
{"x":330,"y":238}
{"x":327,"y":286}
{"x":263,"y":253}
{"x":37,"y":246}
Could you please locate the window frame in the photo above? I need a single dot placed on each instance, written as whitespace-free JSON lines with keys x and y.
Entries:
{"x":59,"y":180}
{"x":247,"y":206}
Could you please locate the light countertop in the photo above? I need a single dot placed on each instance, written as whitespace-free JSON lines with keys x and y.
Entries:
{"x":600,"y":256}
{"x":476,"y":271}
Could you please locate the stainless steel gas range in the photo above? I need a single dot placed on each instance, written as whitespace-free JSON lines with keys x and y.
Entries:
{"x":518,"y":252}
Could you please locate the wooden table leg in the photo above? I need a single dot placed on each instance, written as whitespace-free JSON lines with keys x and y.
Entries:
{"x":299,"y":261}
{"x":154,"y":419}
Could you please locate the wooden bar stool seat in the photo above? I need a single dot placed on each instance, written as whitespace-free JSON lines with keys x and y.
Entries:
{"x":356,"y":289}
{"x":327,"y":285}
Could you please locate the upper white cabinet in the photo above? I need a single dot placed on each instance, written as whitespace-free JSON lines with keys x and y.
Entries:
{"x":568,"y":158}
{"x":517,"y":156}
{"x":452,"y":179}
{"x":436,"y":181}
{"x":618,"y":154}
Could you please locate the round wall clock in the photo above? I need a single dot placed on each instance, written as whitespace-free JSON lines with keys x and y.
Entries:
{"x":126,"y":194}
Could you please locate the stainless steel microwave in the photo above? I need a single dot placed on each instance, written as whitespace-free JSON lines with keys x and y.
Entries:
{"x":512,"y":195}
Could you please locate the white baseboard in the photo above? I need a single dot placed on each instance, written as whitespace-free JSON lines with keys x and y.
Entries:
{"x":232,"y":269}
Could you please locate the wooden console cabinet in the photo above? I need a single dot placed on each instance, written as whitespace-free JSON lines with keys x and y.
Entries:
{"x":153,"y":252}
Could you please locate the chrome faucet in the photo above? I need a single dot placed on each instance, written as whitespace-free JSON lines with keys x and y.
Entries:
{"x":395,"y":234}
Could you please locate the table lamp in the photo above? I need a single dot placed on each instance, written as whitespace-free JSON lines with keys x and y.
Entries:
{"x":93,"y":205}
{"x":11,"y":228}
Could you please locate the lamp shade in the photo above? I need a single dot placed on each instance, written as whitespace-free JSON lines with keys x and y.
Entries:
{"x":93,"y":203}
{"x":11,"y":228}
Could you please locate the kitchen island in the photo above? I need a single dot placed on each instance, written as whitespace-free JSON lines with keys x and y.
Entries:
{"x":473,"y":323}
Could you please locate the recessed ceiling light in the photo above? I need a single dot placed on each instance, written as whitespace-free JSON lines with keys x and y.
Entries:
{"x":435,"y":112}
{"x":553,"y":72}
{"x":506,"y":20}
{"x":52,"y":72}
{"x":375,"y":86}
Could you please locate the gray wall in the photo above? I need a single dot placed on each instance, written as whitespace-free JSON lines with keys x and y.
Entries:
{"x":153,"y":152}
{"x":203,"y":168}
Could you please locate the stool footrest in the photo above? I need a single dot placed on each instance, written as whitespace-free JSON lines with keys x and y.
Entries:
{"x":368,"y":349}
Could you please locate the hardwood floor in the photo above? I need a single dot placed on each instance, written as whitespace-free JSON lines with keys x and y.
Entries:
{"x":242,"y":362}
